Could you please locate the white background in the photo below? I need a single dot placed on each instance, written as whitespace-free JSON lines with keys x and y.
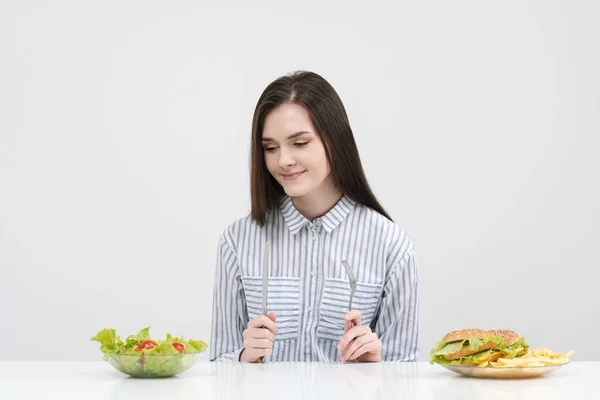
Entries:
{"x":124,"y":139}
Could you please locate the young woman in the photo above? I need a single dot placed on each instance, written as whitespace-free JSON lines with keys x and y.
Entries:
{"x":342,"y":276}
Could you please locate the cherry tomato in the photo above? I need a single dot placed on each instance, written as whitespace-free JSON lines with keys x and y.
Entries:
{"x":179,"y":347}
{"x":147,"y":345}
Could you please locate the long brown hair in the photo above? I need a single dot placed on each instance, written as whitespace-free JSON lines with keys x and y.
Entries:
{"x":328,"y":116}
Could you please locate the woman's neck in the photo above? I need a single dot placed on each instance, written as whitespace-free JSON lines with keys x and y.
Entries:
{"x":318,"y":202}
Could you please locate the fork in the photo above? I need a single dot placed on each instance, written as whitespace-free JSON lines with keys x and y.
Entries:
{"x":352,"y":280}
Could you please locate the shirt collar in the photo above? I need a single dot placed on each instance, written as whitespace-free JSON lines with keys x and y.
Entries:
{"x":296,"y":221}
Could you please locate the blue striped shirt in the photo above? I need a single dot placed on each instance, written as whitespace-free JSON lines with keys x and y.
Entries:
{"x":308,"y":286}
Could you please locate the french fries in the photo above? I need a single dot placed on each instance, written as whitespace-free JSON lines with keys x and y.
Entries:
{"x":534,"y":358}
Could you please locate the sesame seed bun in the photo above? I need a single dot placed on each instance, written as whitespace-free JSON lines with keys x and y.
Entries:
{"x":510,"y":337}
{"x":463,"y":334}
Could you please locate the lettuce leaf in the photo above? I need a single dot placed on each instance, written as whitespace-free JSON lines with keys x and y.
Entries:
{"x":133,"y":340}
{"x":513,"y":350}
{"x":196,"y":345}
{"x":110,"y":343}
{"x":448,"y":348}
{"x":472,"y":344}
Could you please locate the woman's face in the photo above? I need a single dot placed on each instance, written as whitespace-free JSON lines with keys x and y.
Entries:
{"x":294,"y":153}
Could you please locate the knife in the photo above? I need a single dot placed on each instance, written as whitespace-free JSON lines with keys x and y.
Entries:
{"x":265,"y":284}
{"x":265,"y":279}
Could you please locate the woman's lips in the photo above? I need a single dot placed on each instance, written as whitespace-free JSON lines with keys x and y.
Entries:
{"x":293,"y":176}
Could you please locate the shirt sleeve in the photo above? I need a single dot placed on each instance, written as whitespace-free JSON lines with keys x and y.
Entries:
{"x":397,"y":325}
{"x":229,"y":314}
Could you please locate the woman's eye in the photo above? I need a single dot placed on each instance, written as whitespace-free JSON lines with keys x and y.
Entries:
{"x":270,"y":149}
{"x":300,"y":144}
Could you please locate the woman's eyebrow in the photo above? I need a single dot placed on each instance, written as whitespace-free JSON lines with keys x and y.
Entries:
{"x":293,"y":135}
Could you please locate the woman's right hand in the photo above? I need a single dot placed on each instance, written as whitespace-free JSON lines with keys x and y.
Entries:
{"x":259,"y":338}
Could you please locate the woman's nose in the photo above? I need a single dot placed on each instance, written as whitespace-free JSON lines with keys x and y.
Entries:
{"x":285,"y":159}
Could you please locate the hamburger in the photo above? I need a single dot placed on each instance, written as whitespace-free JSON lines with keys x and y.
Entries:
{"x":472,"y":347}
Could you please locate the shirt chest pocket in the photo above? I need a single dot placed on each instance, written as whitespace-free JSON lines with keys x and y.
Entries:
{"x":283,"y":296}
{"x":335,"y":302}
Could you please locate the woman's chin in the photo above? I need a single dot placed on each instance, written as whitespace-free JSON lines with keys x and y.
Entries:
{"x":292,"y":191}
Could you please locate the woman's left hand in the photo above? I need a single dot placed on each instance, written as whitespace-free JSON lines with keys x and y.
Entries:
{"x":358,"y":342}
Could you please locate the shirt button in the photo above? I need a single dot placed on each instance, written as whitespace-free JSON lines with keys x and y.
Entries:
{"x":310,"y":308}
{"x":313,"y":272}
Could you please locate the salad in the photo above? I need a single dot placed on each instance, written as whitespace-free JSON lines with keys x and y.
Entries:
{"x":140,"y":355}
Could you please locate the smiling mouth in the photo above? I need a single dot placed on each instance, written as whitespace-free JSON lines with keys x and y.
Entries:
{"x":291,"y":177}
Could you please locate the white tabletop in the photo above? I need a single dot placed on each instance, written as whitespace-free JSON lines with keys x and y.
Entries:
{"x":98,"y":380}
